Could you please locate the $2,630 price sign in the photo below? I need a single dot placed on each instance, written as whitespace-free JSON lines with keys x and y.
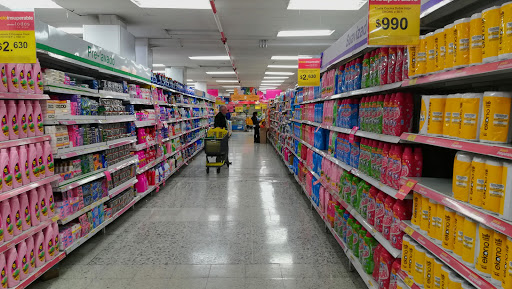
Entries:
{"x":17,"y":37}
{"x":309,"y":72}
{"x":394,"y":22}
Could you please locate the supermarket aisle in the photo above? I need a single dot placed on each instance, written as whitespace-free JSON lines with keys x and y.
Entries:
{"x":247,"y":227}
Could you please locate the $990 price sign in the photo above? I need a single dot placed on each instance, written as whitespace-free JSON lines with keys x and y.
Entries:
{"x":17,"y":37}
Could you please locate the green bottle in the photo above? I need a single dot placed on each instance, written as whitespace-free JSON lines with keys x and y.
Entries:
{"x":367,"y":253}
{"x":362,"y":197}
{"x":346,"y":183}
{"x":361,"y":235}
{"x":356,"y":200}
{"x":353,"y":190}
{"x":349,"y":231}
{"x":355,"y":238}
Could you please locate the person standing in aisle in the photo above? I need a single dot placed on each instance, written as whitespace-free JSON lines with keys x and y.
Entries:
{"x":220,"y":121}
{"x":256,"y":124}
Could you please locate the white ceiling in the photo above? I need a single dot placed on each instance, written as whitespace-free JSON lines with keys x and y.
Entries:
{"x":176,"y":34}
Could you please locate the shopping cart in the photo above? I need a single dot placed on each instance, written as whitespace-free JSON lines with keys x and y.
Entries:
{"x":216,"y":145}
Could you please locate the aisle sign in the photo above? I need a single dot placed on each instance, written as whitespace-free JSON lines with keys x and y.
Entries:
{"x":309,"y":72}
{"x":394,"y":22}
{"x":17,"y":37}
{"x":239,"y":109}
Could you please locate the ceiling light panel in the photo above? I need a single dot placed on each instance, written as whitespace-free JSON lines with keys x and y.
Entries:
{"x":29,"y":4}
{"x":227,"y":81}
{"x":326,"y":4}
{"x":283,"y":66}
{"x":220,"y":72}
{"x":272,"y":81}
{"x":173,"y":4}
{"x":158,"y":65}
{"x":278,"y":73}
{"x":276,"y":77}
{"x":231,"y":86}
{"x":72,"y":30}
{"x":304,"y":33}
{"x":190,"y":80}
{"x":221,"y":57}
{"x":291,"y":57}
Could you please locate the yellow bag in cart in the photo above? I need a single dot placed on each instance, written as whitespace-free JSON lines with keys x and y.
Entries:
{"x":495,"y":125}
{"x":505,"y":47}
{"x":491,"y":20}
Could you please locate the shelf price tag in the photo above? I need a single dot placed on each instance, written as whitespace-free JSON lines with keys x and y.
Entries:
{"x":352,"y":135}
{"x":406,"y":189}
{"x":394,"y":22}
{"x":17,"y":37}
{"x":309,"y":72}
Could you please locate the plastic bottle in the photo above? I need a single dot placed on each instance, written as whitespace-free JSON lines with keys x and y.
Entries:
{"x":23,"y":259}
{"x":26,"y":222}
{"x":29,"y":74}
{"x":30,"y":119}
{"x":3,"y":271}
{"x":14,"y":167}
{"x":12,"y":77}
{"x":373,"y":68}
{"x":49,"y":246}
{"x":388,"y":217}
{"x":4,"y":136}
{"x":3,"y":77}
{"x":368,"y":252}
{"x":22,"y":78}
{"x":357,"y":73}
{"x":407,"y":163}
{"x":7,"y":220}
{"x":14,"y":203}
{"x":379,"y":211}
{"x":12,"y":120}
{"x":383,"y":66}
{"x":4,"y":167}
{"x":22,"y":119}
{"x":356,"y":239}
{"x":56,"y":243}
{"x":370,"y":210}
{"x":386,"y":260}
{"x":33,"y":163}
{"x":38,"y":118}
{"x":35,"y":213}
{"x":32,"y":253}
{"x":349,"y":231}
{"x":38,"y":88}
{"x":384,"y":163}
{"x":365,"y":76}
{"x":376,"y":260}
{"x":13,"y":268}
{"x":50,"y":201}
{"x":401,"y":212}
{"x":395,"y":269}
{"x":39,"y":245}
{"x":48,"y":159}
{"x":23,"y":162}
{"x":40,"y":160}
{"x":391,"y":64}
{"x":418,"y":162}
{"x":43,"y":202}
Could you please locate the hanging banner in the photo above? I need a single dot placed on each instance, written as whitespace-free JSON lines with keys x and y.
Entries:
{"x":394,"y":22}
{"x":239,"y":109}
{"x":309,"y":72}
{"x":17,"y":37}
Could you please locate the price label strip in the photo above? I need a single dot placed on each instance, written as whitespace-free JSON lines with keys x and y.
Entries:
{"x":394,"y":22}
{"x":406,"y":189}
{"x":17,"y":37}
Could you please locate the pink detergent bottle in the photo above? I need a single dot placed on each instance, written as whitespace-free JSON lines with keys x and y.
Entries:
{"x":40,"y":161}
{"x":24,"y":168}
{"x":3,"y":122}
{"x":39,"y":245}
{"x":388,"y":216}
{"x":22,"y":78}
{"x":49,"y":247}
{"x":23,"y":259}
{"x":3,"y":271}
{"x":379,"y":211}
{"x":391,"y":157}
{"x":13,"y":268}
{"x":38,"y":118}
{"x":26,"y":222}
{"x":12,"y":120}
{"x":14,"y":203}
{"x":400,"y":213}
{"x":376,"y":260}
{"x":38,"y":77}
{"x":22,"y":119}
{"x":12,"y":78}
{"x":43,"y":203}
{"x":29,"y":73}
{"x":33,"y":163}
{"x":407,"y":163}
{"x":3,"y":77}
{"x":370,"y":210}
{"x":15,"y":167}
{"x":386,"y":260}
{"x":395,"y":269}
{"x":30,"y":119}
{"x":32,"y":254}
{"x":56,"y":238}
{"x":418,"y":162}
{"x":7,"y":221}
{"x":50,"y":203}
{"x":384,"y":164}
{"x":48,"y":159}
{"x":4,"y":164}
{"x":35,"y":214}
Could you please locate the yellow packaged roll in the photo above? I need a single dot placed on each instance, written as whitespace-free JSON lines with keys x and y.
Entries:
{"x":438,"y":221}
{"x":445,"y":277}
{"x":477,"y":188}
{"x":471,"y":109}
{"x":448,"y":226}
{"x":419,"y":265}
{"x":495,"y":124}
{"x":455,"y":281}
{"x":416,"y":210}
{"x":491,"y":21}
{"x":505,"y":44}
{"x":494,"y":185}
{"x":498,"y":258}
{"x":421,"y":57}
{"x":455,"y":115}
{"x":506,"y":201}
{"x":470,"y":236}
{"x":461,"y":41}
{"x":459,"y":234}
{"x":411,"y":54}
{"x":431,"y":53}
{"x":440,"y":49}
{"x":432,"y":211}
{"x":436,"y":115}
{"x":425,"y":217}
{"x":405,"y":253}
{"x":475,"y":39}
{"x":483,"y":249}
{"x":507,"y":269}
{"x":452,"y":104}
{"x":449,"y":60}
{"x":428,"y":278}
{"x":437,"y":273}
{"x":424,"y":110}
{"x":461,"y":176}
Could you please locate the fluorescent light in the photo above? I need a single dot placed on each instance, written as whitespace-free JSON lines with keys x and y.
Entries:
{"x":231,"y":86}
{"x":158,"y":65}
{"x":276,"y":77}
{"x":291,"y":57}
{"x":222,"y":57}
{"x":158,"y":71}
{"x":190,"y":80}
{"x":72,"y":30}
{"x":30,"y":4}
{"x":173,"y":4}
{"x":304,"y":33}
{"x":220,"y":72}
{"x":283,"y":66}
{"x":278,"y":73}
{"x":326,"y":4}
{"x":273,"y":81}
{"x":228,"y":81}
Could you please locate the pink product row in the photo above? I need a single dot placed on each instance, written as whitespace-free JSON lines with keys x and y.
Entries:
{"x":20,"y":119}
{"x":146,"y":115}
{"x":25,"y":164}
{"x":18,"y":262}
{"x":136,"y":91}
{"x":20,"y":213}
{"x":21,"y":78}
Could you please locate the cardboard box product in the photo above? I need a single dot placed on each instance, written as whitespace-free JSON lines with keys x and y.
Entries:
{"x":263,"y":134}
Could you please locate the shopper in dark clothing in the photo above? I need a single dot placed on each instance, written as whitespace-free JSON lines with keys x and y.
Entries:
{"x":220,"y":118}
{"x":256,"y":124}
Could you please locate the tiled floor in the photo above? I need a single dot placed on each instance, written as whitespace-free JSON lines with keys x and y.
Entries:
{"x":248,"y":227}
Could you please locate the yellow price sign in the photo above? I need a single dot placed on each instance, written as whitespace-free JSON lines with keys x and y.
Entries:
{"x":17,"y":37}
{"x":394,"y":22}
{"x":309,"y":72}
{"x":239,"y":109}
